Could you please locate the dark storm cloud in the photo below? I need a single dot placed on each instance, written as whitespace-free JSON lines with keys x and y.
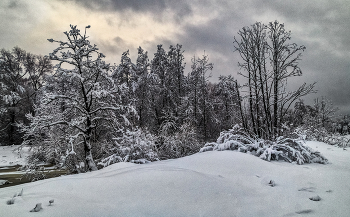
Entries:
{"x":16,"y":21}
{"x":120,"y":5}
{"x":156,"y":7}
{"x":332,"y":74}
{"x":114,"y":46}
{"x":216,"y":39}
{"x":213,"y":35}
{"x":322,"y":26}
{"x":13,"y":4}
{"x":325,"y":26}
{"x":321,"y":19}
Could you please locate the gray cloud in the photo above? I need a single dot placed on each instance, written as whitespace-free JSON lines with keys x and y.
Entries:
{"x":16,"y":20}
{"x":324,"y":28}
{"x":120,"y":5}
{"x":157,"y":7}
{"x":320,"y":25}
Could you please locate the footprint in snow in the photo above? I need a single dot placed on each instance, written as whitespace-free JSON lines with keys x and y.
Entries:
{"x":305,"y":211}
{"x":309,"y":189}
{"x":272,"y":183}
{"x":315,"y":198}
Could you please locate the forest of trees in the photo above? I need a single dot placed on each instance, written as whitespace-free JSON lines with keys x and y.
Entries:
{"x":73,"y":103}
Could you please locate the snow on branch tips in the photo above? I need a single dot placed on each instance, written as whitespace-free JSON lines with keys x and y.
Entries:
{"x":290,"y":150}
{"x":79,"y":98}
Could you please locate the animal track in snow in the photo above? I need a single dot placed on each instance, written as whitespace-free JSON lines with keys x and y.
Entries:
{"x":309,"y":189}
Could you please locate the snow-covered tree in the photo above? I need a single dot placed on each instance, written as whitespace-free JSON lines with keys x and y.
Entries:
{"x":12,"y":89}
{"x":21,"y":75}
{"x":160,"y":93}
{"x":325,"y":112}
{"x":125,"y":75}
{"x":227,"y":102}
{"x":80,"y":104}
{"x":143,"y":92}
{"x":175,"y":77}
{"x":199,"y":92}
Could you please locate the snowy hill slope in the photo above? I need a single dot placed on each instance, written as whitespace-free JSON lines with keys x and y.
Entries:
{"x":215,"y":183}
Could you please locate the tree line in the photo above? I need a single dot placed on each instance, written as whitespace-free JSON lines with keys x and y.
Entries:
{"x":84,"y":104}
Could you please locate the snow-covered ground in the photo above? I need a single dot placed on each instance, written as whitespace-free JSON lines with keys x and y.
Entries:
{"x":10,"y":156}
{"x":213,"y":183}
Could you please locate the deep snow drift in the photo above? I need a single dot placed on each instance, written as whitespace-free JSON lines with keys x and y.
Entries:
{"x":225,"y":183}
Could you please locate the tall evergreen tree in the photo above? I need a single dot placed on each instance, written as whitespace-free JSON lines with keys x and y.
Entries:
{"x":199,"y":93}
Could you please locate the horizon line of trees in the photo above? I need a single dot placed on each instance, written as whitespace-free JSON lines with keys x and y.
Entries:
{"x":86,"y":106}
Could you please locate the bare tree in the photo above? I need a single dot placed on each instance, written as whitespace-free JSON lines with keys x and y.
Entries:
{"x":268,"y":61}
{"x":325,"y":111}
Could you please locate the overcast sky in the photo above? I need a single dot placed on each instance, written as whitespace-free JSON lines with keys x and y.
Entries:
{"x":323,"y":26}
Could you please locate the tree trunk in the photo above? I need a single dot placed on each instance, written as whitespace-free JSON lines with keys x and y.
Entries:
{"x":12,"y":127}
{"x":275,"y":87}
{"x":240,"y":107}
{"x":90,"y":164}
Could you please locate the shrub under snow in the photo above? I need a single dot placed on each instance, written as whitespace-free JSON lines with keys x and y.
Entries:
{"x":322,"y":135}
{"x":182,"y":143}
{"x":290,"y":150}
{"x":134,"y":146}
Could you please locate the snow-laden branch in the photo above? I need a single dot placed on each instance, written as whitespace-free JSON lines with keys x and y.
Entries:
{"x":111,"y":108}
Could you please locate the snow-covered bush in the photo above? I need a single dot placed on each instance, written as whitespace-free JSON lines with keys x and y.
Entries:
{"x":33,"y":171}
{"x":47,"y":144}
{"x":137,"y":146}
{"x":310,"y":132}
{"x":290,"y":150}
{"x":178,"y":144}
{"x":337,"y":140}
{"x":322,"y":135}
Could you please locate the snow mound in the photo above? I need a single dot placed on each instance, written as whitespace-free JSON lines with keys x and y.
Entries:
{"x":216,"y":183}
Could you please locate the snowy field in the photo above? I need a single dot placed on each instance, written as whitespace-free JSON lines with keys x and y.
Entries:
{"x":9,"y":156}
{"x":213,"y":183}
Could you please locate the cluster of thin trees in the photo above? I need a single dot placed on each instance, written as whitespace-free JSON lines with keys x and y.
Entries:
{"x":85,"y":104}
{"x":269,"y":59}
